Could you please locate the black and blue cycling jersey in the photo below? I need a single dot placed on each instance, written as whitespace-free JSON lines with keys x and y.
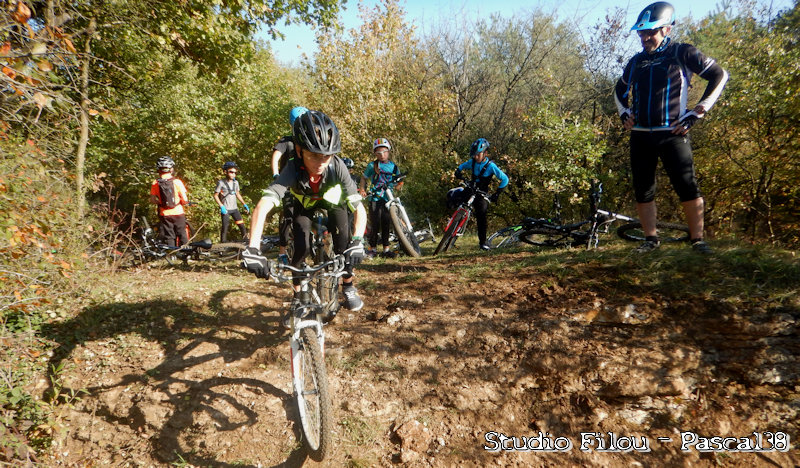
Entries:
{"x":654,"y":87}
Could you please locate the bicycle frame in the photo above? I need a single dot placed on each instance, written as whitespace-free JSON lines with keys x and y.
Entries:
{"x":402,"y":227}
{"x":311,"y":303}
{"x":457,"y":224}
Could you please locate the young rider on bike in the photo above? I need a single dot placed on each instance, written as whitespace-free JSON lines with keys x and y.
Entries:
{"x":226,"y":194}
{"x":169,"y":193}
{"x":282,"y":153}
{"x":381,"y":170}
{"x":316,"y":179}
{"x":483,"y":170}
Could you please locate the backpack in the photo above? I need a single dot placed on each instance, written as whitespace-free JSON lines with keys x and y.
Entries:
{"x":166,"y":190}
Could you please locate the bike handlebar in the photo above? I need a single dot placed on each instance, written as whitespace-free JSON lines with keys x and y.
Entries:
{"x":276,"y":269}
{"x":384,"y":184}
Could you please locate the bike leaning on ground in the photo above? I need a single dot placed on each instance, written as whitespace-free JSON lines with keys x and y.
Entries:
{"x":457,"y":223}
{"x":551,"y":232}
{"x":150,"y":249}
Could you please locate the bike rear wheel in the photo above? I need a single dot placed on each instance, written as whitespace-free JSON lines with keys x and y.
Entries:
{"x":541,"y":236}
{"x":450,"y":233}
{"x":311,"y":390}
{"x":667,"y":232}
{"x":505,"y":238}
{"x":404,"y":232}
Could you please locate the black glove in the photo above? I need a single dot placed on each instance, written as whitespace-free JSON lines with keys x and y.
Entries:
{"x":624,"y":117}
{"x":688,"y":121}
{"x":354,"y":253}
{"x":493,"y":198}
{"x":253,"y":262}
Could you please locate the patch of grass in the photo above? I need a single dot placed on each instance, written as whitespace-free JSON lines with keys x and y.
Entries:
{"x":410,"y":278}
{"x":359,"y":431}
{"x":349,"y":363}
{"x":360,"y":462}
{"x":368,"y":285}
{"x":387,"y":366}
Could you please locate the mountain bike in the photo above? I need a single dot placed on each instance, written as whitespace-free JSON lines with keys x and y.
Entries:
{"x":422,"y":235}
{"x":150,"y":248}
{"x":403,"y":229}
{"x":551,"y":232}
{"x":458,"y":221}
{"x":307,"y":346}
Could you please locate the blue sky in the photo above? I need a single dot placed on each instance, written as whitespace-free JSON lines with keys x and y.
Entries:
{"x":427,"y":13}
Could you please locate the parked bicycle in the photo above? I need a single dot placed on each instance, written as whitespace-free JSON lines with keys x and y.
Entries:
{"x":403,"y":230}
{"x":458,"y":221}
{"x":551,"y":232}
{"x":422,"y":235}
{"x":150,"y":249}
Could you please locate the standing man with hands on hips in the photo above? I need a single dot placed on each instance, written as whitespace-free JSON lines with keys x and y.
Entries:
{"x":651,"y":99}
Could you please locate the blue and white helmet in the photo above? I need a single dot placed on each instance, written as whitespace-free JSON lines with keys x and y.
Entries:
{"x":478,"y":146}
{"x":654,"y":16}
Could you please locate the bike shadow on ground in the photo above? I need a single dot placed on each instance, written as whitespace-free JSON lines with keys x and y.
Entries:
{"x":394,"y":267}
{"x":186,"y":338}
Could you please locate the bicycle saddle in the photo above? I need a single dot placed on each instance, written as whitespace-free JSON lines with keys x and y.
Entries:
{"x":203,"y":244}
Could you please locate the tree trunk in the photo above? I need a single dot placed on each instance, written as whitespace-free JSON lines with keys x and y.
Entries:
{"x":80,"y":157}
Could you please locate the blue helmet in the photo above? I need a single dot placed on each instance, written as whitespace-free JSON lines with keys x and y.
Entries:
{"x":295,"y":113}
{"x":654,"y":16}
{"x":478,"y":146}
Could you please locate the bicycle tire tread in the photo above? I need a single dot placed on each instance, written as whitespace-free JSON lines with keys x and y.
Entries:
{"x":311,"y":346}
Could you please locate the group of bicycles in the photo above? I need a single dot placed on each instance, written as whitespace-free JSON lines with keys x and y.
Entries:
{"x":319,"y":279}
{"x":552,"y":231}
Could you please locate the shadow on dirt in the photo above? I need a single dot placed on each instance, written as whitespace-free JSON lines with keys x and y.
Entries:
{"x":175,"y":400}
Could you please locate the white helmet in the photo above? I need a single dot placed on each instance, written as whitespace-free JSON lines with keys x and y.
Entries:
{"x":381,"y":142}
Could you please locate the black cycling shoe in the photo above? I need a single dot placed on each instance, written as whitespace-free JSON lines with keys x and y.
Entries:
{"x":351,"y":299}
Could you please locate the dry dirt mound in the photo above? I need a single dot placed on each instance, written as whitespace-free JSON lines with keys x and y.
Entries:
{"x":442,"y":362}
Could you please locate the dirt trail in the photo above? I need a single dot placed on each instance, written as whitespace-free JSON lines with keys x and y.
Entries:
{"x":445,"y":358}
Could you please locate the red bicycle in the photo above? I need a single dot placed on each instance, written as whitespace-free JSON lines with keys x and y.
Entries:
{"x":458,"y":221}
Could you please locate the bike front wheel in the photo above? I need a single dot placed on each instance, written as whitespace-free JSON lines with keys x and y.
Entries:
{"x":313,"y":398}
{"x":667,"y":232}
{"x":505,"y":238}
{"x":405,"y":233}
{"x":449,"y":235}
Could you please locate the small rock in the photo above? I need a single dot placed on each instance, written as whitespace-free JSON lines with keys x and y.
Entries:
{"x":414,"y":436}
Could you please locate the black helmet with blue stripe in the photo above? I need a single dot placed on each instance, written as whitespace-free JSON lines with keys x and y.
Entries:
{"x":654,"y":16}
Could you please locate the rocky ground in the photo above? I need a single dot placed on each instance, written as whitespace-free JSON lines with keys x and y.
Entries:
{"x":565,"y":351}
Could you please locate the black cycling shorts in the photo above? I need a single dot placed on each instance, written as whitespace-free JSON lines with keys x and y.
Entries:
{"x":675,"y":152}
